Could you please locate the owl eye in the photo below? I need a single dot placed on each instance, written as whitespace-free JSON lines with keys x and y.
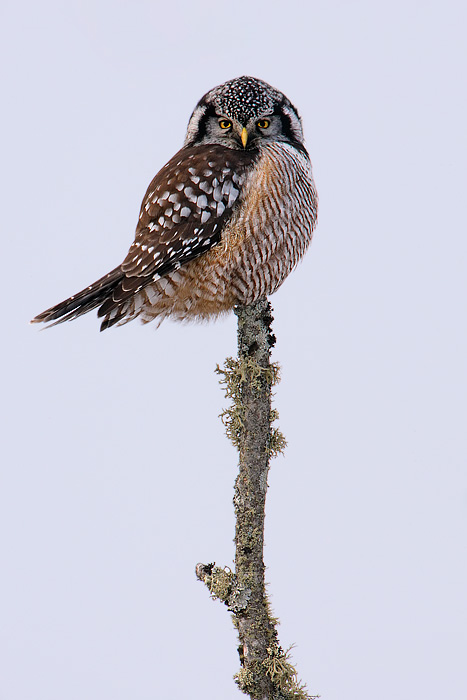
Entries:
{"x":225,"y":124}
{"x":263,"y":123}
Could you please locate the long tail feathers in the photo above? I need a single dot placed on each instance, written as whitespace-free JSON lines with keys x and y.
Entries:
{"x":86,"y":300}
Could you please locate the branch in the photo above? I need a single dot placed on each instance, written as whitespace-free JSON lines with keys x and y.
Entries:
{"x":266,"y":672}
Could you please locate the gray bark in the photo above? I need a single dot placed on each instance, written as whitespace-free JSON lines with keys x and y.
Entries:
{"x":255,"y":627}
{"x":266,"y":672}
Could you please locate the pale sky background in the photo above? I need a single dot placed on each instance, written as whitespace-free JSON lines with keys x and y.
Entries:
{"x":116,"y":475}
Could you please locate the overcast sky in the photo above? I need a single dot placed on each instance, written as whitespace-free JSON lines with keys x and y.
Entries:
{"x":116,"y":475}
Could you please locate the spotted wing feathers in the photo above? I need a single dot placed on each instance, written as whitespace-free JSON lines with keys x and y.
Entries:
{"x":182,"y":216}
{"x":184,"y":208}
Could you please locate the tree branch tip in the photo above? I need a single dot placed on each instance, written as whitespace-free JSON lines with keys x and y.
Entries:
{"x":203,"y":570}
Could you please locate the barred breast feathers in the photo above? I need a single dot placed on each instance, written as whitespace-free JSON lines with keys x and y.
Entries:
{"x":272,"y":229}
{"x":263,"y":241}
{"x":272,"y":204}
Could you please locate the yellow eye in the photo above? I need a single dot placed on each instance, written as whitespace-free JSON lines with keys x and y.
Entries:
{"x":263,"y":123}
{"x":225,"y":124}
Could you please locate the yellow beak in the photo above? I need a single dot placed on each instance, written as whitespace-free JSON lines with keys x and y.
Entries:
{"x":244,"y":137}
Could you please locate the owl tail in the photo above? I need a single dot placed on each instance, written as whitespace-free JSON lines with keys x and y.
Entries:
{"x":86,"y":300}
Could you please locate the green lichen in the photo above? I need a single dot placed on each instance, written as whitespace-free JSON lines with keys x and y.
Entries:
{"x":277,"y":443}
{"x":274,"y":621}
{"x":234,"y":375}
{"x":220,"y":582}
{"x":245,"y":679}
{"x":283,"y":675}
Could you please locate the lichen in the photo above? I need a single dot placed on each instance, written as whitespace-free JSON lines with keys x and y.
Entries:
{"x":223,"y":585}
{"x":234,"y":375}
{"x":284,"y":675}
{"x":277,"y":443}
{"x":245,"y":679}
{"x":219,"y":581}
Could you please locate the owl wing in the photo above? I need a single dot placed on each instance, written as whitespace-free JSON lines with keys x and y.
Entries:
{"x":183,"y":214}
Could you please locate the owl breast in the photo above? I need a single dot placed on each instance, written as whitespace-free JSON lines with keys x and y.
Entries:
{"x":266,"y":236}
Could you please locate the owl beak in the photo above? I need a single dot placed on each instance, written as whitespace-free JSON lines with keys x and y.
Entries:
{"x":244,"y":137}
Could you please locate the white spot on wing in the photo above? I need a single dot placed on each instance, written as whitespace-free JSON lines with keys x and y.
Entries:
{"x":232,"y":196}
{"x":205,"y":187}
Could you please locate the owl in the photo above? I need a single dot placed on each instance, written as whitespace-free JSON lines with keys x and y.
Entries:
{"x":223,"y":222}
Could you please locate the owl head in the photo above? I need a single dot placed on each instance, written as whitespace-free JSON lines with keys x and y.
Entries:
{"x":244,"y":113}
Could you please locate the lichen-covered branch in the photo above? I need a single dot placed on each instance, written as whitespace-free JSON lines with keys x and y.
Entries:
{"x":266,"y":672}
